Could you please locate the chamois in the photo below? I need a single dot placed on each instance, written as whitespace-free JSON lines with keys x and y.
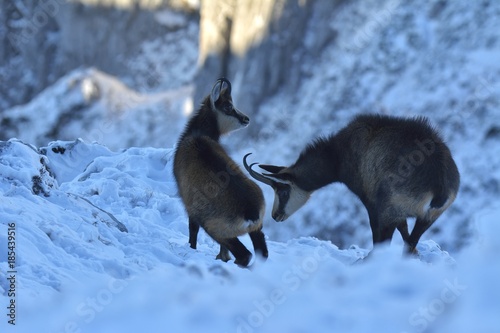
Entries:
{"x":214,"y":190}
{"x":398,"y":167}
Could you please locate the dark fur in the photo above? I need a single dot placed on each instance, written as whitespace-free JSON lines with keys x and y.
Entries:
{"x":216,"y":193}
{"x":369,"y":156}
{"x":203,"y":123}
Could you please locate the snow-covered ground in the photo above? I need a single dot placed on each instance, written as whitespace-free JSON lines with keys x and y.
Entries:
{"x":436,"y":59}
{"x":101,"y":245}
{"x":101,"y":235}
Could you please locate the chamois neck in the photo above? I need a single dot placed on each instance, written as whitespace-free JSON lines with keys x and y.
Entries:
{"x":203,"y":123}
{"x":317,"y":165}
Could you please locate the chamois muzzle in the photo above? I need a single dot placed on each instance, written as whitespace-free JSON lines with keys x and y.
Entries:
{"x":242,"y":118}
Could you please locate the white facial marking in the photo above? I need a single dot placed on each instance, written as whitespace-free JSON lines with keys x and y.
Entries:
{"x":228,"y":123}
{"x":298,"y":197}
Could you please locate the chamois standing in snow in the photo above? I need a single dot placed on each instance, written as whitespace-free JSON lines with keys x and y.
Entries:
{"x":216,"y":193}
{"x":398,"y":167}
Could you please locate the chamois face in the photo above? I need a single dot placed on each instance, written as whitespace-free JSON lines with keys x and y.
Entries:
{"x":228,"y":117}
{"x":288,"y":198}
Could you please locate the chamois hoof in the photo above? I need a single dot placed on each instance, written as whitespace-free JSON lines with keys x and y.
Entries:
{"x":262,"y":255}
{"x":411,"y":251}
{"x":414,"y":253}
{"x":243,"y":262}
{"x":223,"y":256}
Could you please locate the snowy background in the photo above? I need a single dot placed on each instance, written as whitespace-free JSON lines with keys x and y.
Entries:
{"x":101,"y":234}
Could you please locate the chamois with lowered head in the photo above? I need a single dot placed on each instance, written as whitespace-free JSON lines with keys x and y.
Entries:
{"x":398,"y":167}
{"x":217,"y":195}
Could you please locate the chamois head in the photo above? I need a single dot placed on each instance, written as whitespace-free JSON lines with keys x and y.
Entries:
{"x":228,"y":117}
{"x":288,"y":196}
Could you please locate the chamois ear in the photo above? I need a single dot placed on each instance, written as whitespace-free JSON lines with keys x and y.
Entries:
{"x":284,"y":177}
{"x":225,"y":87}
{"x":221,"y":88}
{"x":271,"y":168}
{"x":216,"y":92}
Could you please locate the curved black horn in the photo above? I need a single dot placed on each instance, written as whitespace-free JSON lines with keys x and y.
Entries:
{"x":226,"y":81}
{"x":256,"y":175}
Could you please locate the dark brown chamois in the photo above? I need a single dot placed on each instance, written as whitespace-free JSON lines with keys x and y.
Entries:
{"x":214,"y":190}
{"x":398,"y":167}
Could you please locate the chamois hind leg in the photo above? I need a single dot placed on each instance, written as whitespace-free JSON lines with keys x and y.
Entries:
{"x":194,"y":227}
{"x":259,"y":243}
{"x":403,"y":230}
{"x":240,"y":252}
{"x":421,"y":226}
{"x":223,"y":254}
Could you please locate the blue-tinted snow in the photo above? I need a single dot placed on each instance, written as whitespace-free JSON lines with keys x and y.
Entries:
{"x":77,"y":272}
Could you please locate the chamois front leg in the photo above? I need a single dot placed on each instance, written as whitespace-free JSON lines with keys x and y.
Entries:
{"x":194,"y":227}
{"x":383,"y":226}
{"x":387,"y":231}
{"x":374,"y":225}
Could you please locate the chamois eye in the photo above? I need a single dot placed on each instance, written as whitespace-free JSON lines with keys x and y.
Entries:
{"x":228,"y":109}
{"x":282,"y":192}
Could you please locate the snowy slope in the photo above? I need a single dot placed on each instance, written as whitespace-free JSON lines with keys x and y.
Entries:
{"x":437,"y":59}
{"x":99,"y":107}
{"x":101,"y":235}
{"x":101,"y":246}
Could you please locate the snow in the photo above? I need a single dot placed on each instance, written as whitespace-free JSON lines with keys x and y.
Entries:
{"x":104,"y":247}
{"x":100,"y":108}
{"x":398,"y":58}
{"x":102,"y":236}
